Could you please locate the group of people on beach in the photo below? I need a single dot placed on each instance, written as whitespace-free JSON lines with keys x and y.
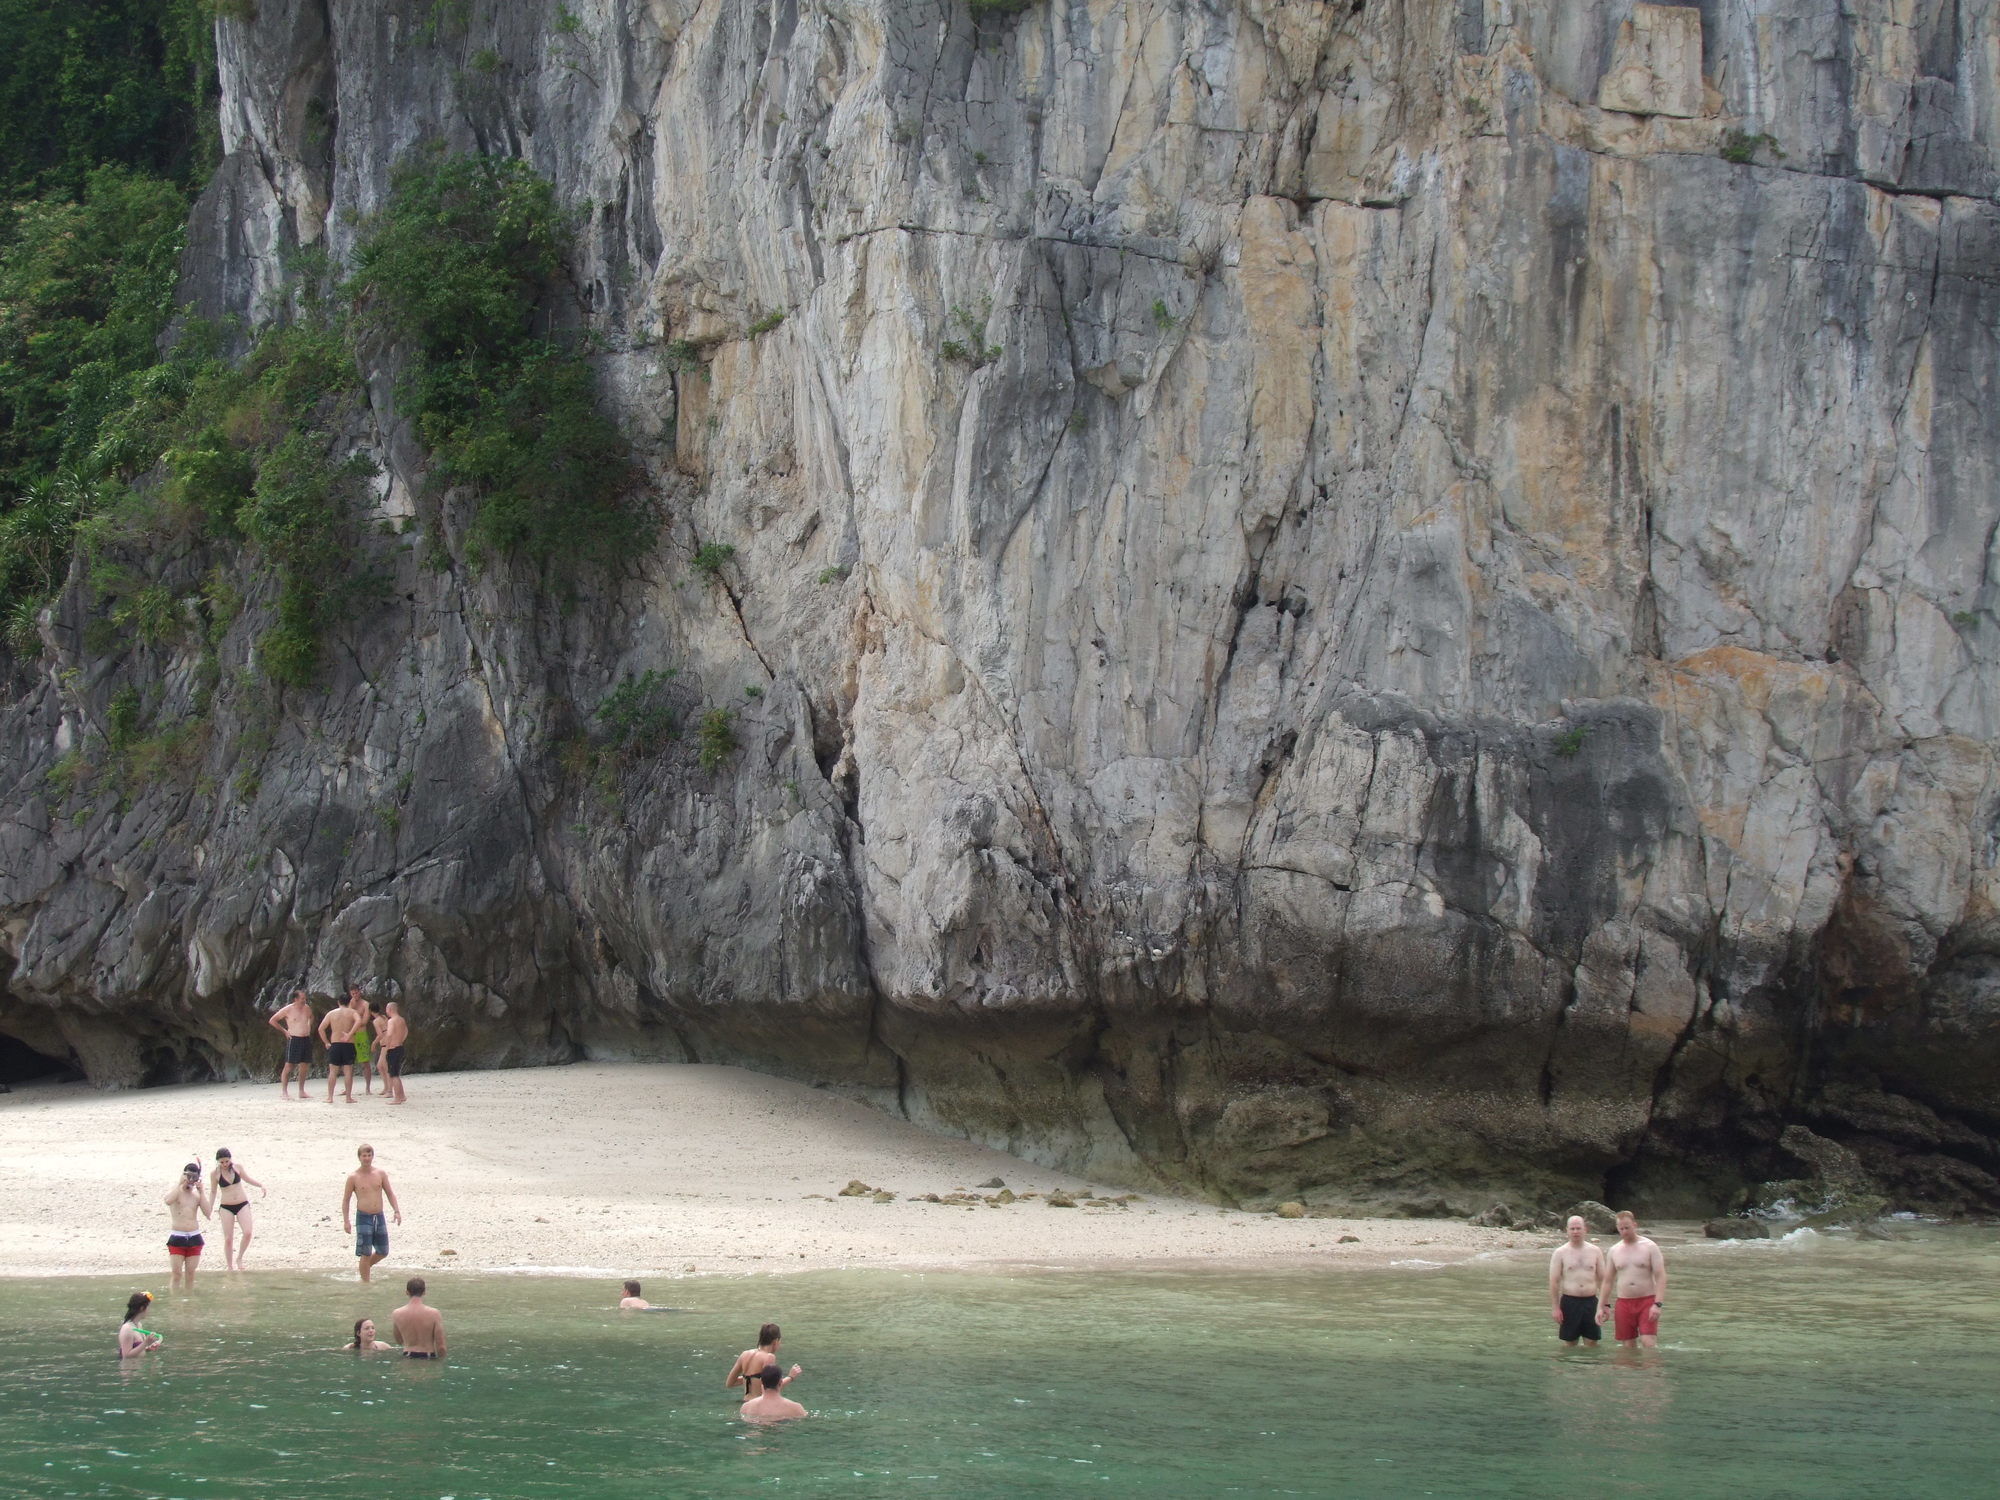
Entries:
{"x":1628,"y":1281}
{"x":366,"y":1200}
{"x":345,"y":1032}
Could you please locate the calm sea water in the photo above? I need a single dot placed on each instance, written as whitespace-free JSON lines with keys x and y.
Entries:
{"x":1822,"y":1367}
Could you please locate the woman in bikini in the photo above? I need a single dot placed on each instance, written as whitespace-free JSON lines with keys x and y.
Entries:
{"x":226,"y":1181}
{"x":133,"y":1340}
{"x":752,"y":1364}
{"x":365,"y":1340}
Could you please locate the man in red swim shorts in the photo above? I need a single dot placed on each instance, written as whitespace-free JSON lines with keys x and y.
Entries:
{"x":1639,"y":1281}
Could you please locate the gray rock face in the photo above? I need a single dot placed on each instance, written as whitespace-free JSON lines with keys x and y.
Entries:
{"x":1348,"y":603}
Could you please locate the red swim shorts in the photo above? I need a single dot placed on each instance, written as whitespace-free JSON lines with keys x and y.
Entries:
{"x":1632,"y":1320}
{"x":184,"y":1244}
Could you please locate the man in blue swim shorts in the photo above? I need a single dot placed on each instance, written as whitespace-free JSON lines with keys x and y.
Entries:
{"x":367,"y":1186}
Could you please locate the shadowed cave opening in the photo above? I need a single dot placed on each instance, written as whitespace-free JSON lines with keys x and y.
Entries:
{"x":20,"y":1063}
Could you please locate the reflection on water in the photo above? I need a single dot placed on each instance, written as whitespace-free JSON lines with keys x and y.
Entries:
{"x":1775,"y":1379}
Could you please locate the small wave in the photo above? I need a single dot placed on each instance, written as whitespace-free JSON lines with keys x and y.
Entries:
{"x":1419,"y":1264}
{"x":552,"y":1271}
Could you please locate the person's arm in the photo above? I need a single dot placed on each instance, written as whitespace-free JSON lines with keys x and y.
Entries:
{"x":1659,"y":1277}
{"x":252,"y":1181}
{"x":440,"y":1334}
{"x":129,"y":1340}
{"x":324,"y":1022}
{"x":277,"y":1019}
{"x":347,"y":1198}
{"x":1555,"y":1285}
{"x":172,"y":1193}
{"x":390,"y":1193}
{"x":735,"y":1377}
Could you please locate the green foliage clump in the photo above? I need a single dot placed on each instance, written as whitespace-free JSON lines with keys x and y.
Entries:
{"x":637,"y":717}
{"x":124,"y":82}
{"x":1571,"y":740}
{"x":462,"y":267}
{"x":767,"y":323}
{"x":85,"y":290}
{"x":716,"y":734}
{"x":972,"y":348}
{"x":122,"y":717}
{"x":709,"y":558}
{"x":1741,"y":146}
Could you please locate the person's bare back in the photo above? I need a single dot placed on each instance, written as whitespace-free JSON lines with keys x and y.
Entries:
{"x":419,"y":1327}
{"x":770,"y":1407}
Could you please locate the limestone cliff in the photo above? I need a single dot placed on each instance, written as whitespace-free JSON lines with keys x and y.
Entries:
{"x":1359,"y":600}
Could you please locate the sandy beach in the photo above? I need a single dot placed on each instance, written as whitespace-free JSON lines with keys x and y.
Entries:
{"x":607,"y":1169}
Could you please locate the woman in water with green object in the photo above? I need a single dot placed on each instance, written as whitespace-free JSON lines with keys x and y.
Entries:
{"x":226,"y":1181}
{"x":133,"y":1340}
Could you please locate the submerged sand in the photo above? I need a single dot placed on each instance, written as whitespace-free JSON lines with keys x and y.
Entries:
{"x":606,"y":1169}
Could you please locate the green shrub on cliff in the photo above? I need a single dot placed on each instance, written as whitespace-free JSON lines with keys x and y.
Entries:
{"x":462,"y":267}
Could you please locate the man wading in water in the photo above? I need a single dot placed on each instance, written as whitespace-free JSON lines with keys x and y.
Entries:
{"x":1639,"y":1273}
{"x":419,"y":1329}
{"x":296,"y":1022}
{"x":336,"y":1029}
{"x":367,"y":1186}
{"x":1578,"y":1272}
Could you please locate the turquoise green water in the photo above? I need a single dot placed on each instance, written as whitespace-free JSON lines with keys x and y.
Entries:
{"x":1819,"y":1369}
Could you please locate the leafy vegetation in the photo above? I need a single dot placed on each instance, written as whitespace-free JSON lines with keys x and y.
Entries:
{"x":1741,"y":147}
{"x":1571,"y":740}
{"x":972,"y":348}
{"x":637,"y":716}
{"x":716,"y":735}
{"x":767,"y":323}
{"x":710,"y":557}
{"x":462,"y":268}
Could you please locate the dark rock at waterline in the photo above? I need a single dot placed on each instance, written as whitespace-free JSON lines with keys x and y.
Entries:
{"x":1597,"y":1218}
{"x":1499,"y":1216}
{"x":1736,"y":1229}
{"x":992,"y":1182}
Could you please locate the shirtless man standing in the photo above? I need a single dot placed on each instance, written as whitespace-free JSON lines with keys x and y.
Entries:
{"x":390,"y":1035}
{"x":336,"y":1029}
{"x":367,"y":1186}
{"x":419,"y":1329}
{"x":1577,"y":1275}
{"x":1639,"y":1273}
{"x":186,"y":1203}
{"x":296,"y":1022}
{"x":358,"y":1003}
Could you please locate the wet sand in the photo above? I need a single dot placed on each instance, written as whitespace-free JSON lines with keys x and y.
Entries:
{"x":606,"y":1169}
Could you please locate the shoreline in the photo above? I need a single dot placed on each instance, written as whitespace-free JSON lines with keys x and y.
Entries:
{"x":661,"y":1170}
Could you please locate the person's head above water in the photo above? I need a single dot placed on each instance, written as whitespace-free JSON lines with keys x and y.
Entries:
{"x":138,"y":1303}
{"x":768,"y":1336}
{"x":632,"y":1289}
{"x":364,"y":1333}
{"x":414,"y":1286}
{"x":1576,"y":1227}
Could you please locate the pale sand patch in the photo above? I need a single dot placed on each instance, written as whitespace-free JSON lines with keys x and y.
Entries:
{"x":602,"y":1169}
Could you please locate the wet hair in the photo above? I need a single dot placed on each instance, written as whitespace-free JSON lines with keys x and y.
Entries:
{"x":631,"y":1288}
{"x":137,"y":1304}
{"x":357,"y":1344}
{"x":414,"y":1286}
{"x":768,"y":1334}
{"x":771,"y":1377}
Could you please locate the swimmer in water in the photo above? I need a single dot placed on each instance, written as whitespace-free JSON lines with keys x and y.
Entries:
{"x":133,"y":1340}
{"x":365,"y":1340}
{"x":766,"y":1404}
{"x":419,"y":1327}
{"x":231,"y":1197}
{"x":632,"y":1301}
{"x":751,"y":1362}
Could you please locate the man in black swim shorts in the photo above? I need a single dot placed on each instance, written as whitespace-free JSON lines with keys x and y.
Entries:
{"x":295,"y":1020}
{"x":336,"y":1029}
{"x":1578,"y":1273}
